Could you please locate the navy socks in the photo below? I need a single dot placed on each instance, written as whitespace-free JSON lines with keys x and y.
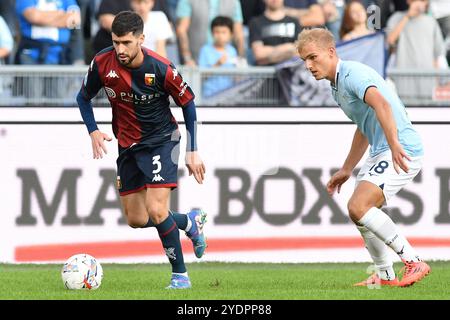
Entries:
{"x":170,"y":238}
{"x":180,"y":219}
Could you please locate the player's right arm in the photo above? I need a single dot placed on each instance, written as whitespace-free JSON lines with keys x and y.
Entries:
{"x":89,"y":89}
{"x":357,"y":150}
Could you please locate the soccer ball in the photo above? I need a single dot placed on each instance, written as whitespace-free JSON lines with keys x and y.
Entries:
{"x":82,"y":271}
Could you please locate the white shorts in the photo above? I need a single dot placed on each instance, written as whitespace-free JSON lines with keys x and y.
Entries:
{"x":380,"y":171}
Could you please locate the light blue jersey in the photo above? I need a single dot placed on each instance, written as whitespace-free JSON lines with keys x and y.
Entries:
{"x":352,"y":81}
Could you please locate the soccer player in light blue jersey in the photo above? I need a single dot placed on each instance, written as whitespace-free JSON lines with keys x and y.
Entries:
{"x":395,"y":153}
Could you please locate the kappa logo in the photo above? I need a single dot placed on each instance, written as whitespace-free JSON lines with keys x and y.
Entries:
{"x":170,"y":253}
{"x":157,"y":178}
{"x":175,"y":74}
{"x":112,"y":74}
{"x":184,"y":87}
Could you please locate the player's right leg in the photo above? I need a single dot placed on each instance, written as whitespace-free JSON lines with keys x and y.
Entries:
{"x":166,"y":172}
{"x":134,"y":209}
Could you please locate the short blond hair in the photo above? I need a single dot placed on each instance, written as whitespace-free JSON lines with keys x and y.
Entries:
{"x":320,"y":36}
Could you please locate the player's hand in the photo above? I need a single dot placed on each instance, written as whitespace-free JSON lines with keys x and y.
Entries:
{"x":195,"y":166}
{"x":98,"y":144}
{"x":337,"y":180}
{"x":398,"y":158}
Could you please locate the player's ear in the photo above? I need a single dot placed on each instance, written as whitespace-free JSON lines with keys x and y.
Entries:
{"x":141,"y":39}
{"x":332,"y":51}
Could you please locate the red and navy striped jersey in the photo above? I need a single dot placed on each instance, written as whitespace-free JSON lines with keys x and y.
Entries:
{"x":139,"y":97}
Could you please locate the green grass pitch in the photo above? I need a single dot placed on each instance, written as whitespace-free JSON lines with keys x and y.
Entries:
{"x":221,"y":281}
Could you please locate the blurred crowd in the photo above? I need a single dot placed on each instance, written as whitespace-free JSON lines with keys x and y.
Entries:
{"x":214,"y":33}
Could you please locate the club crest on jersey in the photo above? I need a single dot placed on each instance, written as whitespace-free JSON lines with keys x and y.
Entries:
{"x":150,"y":79}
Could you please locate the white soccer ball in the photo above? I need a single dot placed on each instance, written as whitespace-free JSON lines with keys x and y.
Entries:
{"x":82,"y":271}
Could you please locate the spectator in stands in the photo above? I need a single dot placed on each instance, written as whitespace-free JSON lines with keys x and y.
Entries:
{"x":440,"y":9}
{"x":416,"y":43}
{"x":388,"y":7}
{"x":6,"y":41}
{"x":45,"y":28}
{"x":273,"y":34}
{"x":354,"y":22}
{"x":90,"y":28}
{"x":308,"y":12}
{"x":76,"y":45}
{"x":105,"y":15}
{"x":172,"y":10}
{"x":415,"y":37}
{"x":193,"y":27}
{"x":219,"y":54}
{"x":157,"y":29}
{"x":9,"y":15}
{"x":162,"y":5}
{"x":333,"y":11}
{"x":250,"y":9}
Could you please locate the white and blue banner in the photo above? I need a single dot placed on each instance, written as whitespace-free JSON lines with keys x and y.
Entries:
{"x":301,"y":89}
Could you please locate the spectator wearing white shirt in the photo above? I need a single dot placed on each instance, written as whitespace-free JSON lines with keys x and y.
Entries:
{"x":6,"y":40}
{"x":440,"y":9}
{"x":157,"y":29}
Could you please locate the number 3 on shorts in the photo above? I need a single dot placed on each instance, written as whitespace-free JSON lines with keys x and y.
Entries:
{"x":380,"y":167}
{"x":157,"y":162}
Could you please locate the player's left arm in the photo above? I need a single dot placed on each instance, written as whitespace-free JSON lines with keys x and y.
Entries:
{"x":383,"y":111}
{"x":184,"y":98}
{"x":194,"y":163}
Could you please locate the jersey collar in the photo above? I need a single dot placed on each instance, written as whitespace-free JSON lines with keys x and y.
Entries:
{"x":336,"y":77}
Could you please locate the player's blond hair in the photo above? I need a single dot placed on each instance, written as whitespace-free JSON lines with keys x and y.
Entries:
{"x":320,"y":36}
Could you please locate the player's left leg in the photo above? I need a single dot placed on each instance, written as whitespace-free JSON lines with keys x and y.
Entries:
{"x":365,"y":197}
{"x":364,"y":211}
{"x":378,"y":250}
{"x":158,"y":212}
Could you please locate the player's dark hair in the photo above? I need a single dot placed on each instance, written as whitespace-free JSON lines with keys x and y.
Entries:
{"x":126,"y":22}
{"x":222,"y":21}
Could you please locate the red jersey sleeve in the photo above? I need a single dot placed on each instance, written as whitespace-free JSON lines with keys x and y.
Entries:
{"x":92,"y":82}
{"x":175,"y":85}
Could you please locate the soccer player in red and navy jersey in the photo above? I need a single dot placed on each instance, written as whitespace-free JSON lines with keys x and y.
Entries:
{"x":138,"y":83}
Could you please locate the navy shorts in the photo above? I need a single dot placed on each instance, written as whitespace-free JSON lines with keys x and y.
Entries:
{"x":142,"y":166}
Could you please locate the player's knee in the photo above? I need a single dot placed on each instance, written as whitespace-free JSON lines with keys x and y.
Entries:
{"x":135,"y":220}
{"x":157,"y":212}
{"x":356,"y":210}
{"x":135,"y":224}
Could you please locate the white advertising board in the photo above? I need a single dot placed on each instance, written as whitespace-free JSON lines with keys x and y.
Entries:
{"x":264,"y":190}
